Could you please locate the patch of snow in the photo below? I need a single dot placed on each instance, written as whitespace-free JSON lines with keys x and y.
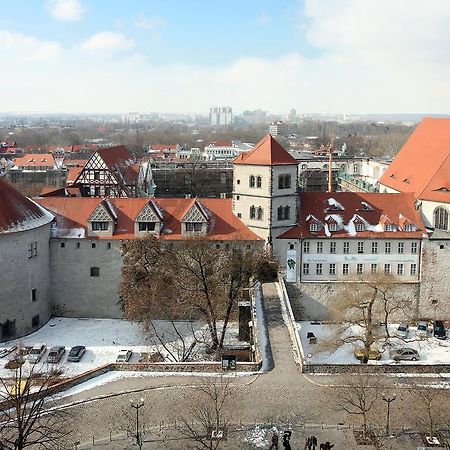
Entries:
{"x":326,"y":230}
{"x":350,"y":228}
{"x":335,"y":204}
{"x":263,"y":332}
{"x":71,"y":233}
{"x":366,"y":206}
{"x":259,"y":436}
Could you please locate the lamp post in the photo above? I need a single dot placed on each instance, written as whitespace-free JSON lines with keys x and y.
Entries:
{"x":388,"y":399}
{"x":137,"y":405}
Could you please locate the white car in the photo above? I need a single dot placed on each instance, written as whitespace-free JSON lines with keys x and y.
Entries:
{"x":36,"y":353}
{"x":403,"y":330}
{"x":124,"y":356}
{"x":423,"y":330}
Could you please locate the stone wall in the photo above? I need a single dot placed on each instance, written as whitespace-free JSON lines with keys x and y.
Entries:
{"x":75,"y":293}
{"x":20,"y":273}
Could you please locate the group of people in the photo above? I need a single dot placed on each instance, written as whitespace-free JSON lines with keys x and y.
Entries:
{"x":311,"y":442}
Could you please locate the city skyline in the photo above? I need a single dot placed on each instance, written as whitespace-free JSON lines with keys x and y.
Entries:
{"x":355,"y":57}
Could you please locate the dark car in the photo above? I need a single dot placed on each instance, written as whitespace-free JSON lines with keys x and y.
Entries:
{"x":76,"y":353}
{"x":439,"y":330}
{"x":55,"y":354}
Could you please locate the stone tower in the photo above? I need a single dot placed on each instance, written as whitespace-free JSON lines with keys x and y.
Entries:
{"x":265,"y":189}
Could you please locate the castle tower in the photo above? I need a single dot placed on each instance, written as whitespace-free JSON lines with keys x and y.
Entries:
{"x":265,"y":189}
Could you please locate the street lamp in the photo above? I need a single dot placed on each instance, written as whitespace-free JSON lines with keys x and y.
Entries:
{"x":137,"y":405}
{"x":388,"y":399}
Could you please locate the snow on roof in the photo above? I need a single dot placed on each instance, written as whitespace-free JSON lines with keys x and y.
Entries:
{"x":336,"y":205}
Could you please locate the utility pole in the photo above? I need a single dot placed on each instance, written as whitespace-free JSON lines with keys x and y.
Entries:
{"x":388,"y":400}
{"x":137,"y":405}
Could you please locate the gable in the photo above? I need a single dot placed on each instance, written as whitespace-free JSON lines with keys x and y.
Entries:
{"x":149,"y":213}
{"x":195,"y":214}
{"x":101,"y":214}
{"x":95,"y":162}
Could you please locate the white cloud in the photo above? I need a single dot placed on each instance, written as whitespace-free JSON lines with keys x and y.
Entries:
{"x":69,"y":10}
{"x":149,"y":23}
{"x":108,"y":41}
{"x":27,"y":48}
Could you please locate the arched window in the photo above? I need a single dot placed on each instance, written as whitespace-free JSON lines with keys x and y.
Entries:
{"x":260,"y":213}
{"x":280,"y":213}
{"x":258,"y":182}
{"x":287,"y":212}
{"x":441,"y":218}
{"x":252,"y":181}
{"x":252,"y":212}
{"x":95,"y":271}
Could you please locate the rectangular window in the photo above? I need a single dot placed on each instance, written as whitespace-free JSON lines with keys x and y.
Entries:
{"x":332,"y":247}
{"x":192,"y":226}
{"x":319,"y":247}
{"x":284,"y":181}
{"x":97,"y":191}
{"x":33,"y":295}
{"x":387,"y":269}
{"x":359,"y":226}
{"x":32,"y":250}
{"x":345,"y":269}
{"x":373,"y":268}
{"x":413,"y":247}
{"x":313,"y":227}
{"x":96,"y":175}
{"x":319,"y":269}
{"x":359,"y":269}
{"x":401,"y":247}
{"x":387,"y":247}
{"x":305,"y":269}
{"x":35,"y":321}
{"x":400,"y":269}
{"x":306,"y":247}
{"x":332,"y":269}
{"x":413,"y":269}
{"x":146,"y":226}
{"x":360,"y":247}
{"x":346,"y":247}
{"x":100,"y":226}
{"x":374,"y":247}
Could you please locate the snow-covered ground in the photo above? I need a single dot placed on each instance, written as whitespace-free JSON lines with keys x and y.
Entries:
{"x":431,"y":350}
{"x":103,"y":338}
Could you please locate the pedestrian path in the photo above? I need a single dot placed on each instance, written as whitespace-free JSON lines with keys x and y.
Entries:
{"x":284,"y":371}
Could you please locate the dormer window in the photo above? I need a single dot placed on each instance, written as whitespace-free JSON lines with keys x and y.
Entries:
{"x":147,"y":226}
{"x":313,"y":227}
{"x":389,"y":227}
{"x":100,"y":226}
{"x":332,"y":227}
{"x":359,"y":226}
{"x":193,"y":227}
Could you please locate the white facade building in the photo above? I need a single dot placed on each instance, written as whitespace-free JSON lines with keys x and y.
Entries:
{"x":220,"y":116}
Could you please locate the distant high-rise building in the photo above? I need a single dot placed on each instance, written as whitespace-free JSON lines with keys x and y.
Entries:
{"x":255,"y":116}
{"x":278,"y":128}
{"x":220,"y":116}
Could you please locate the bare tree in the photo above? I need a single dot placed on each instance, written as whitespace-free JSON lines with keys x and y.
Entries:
{"x":432,"y":409}
{"x":209,"y":414}
{"x":191,"y":281}
{"x":359,"y":397}
{"x":25,"y":421}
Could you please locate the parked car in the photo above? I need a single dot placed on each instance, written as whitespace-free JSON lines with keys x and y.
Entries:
{"x":76,"y":353}
{"x":55,"y":354}
{"x":373,"y":354}
{"x":124,"y":356}
{"x":423,"y":329}
{"x":36,"y":353}
{"x":405,"y":354}
{"x":403,"y":330}
{"x":439,"y":330}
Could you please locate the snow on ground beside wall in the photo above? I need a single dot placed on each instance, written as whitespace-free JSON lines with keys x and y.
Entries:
{"x":260,"y":436}
{"x":103,"y":338}
{"x":431,"y":350}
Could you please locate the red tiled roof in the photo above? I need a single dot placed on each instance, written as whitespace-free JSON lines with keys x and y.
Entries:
{"x":35,"y":160}
{"x":266,"y":152}
{"x":72,"y":174}
{"x":15,"y":208}
{"x":73,"y":213}
{"x":119,"y":158}
{"x":398,"y":208}
{"x":75,"y":162}
{"x":423,"y":164}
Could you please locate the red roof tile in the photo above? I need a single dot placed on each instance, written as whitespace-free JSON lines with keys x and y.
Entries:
{"x":266,"y":152}
{"x":373,"y":208}
{"x":36,"y":160}
{"x":72,"y":214}
{"x":423,"y":164}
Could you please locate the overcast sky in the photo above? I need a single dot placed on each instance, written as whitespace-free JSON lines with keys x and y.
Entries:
{"x":349,"y":56}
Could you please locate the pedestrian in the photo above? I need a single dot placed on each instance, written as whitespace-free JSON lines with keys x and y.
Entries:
{"x":286,"y":438}
{"x":322,"y":447}
{"x":274,"y":445}
{"x":313,"y":443}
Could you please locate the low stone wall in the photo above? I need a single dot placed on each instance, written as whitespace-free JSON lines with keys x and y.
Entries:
{"x":374,"y":368}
